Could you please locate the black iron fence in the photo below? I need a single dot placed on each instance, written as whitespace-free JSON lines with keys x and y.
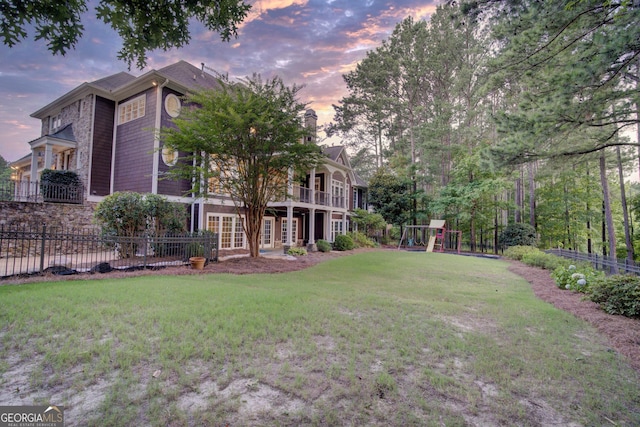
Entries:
{"x":600,"y":262}
{"x":38,"y":192}
{"x":41,"y":250}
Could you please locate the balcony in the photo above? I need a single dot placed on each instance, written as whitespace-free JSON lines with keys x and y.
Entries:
{"x":35,"y":192}
{"x":322,"y":198}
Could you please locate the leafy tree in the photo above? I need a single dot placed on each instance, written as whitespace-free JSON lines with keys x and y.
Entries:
{"x":143,"y":25}
{"x":5,"y":170}
{"x":518,"y":234}
{"x":128,"y":214}
{"x":391,"y":197}
{"x":246,"y":138}
{"x":370,"y":222}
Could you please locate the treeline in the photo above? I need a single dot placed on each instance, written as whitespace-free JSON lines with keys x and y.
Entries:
{"x":501,"y":112}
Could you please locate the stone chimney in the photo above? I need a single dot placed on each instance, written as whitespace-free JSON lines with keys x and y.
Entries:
{"x":311,"y":122}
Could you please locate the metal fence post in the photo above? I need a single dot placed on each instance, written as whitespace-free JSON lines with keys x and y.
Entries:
{"x":42,"y":245}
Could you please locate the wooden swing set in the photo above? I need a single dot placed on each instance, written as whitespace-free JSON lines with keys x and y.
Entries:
{"x":415,"y":236}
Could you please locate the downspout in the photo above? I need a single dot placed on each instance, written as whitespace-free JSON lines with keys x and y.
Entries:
{"x":156,"y":138}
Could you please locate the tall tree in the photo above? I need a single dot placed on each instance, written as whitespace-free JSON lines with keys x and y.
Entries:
{"x":246,"y":139}
{"x":143,"y":25}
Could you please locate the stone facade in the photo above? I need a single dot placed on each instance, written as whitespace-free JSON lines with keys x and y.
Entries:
{"x":67,"y":216}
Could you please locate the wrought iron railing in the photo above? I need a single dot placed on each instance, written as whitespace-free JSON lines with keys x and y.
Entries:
{"x":38,"y":192}
{"x":41,"y":250}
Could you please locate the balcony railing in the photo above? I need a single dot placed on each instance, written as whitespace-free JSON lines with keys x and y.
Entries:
{"x":37,"y":192}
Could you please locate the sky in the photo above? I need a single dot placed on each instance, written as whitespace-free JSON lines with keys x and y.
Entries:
{"x":305,"y":42}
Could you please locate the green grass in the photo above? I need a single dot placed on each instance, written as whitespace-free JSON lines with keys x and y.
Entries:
{"x":376,"y":338}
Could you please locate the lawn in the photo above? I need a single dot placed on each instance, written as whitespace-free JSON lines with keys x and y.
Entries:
{"x":377,"y":338}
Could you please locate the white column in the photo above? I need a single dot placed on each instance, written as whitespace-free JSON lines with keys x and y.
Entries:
{"x":312,"y":226}
{"x":48,"y":156}
{"x":290,"y":239}
{"x":312,"y":186}
{"x":327,"y":225}
{"x":344,"y":223}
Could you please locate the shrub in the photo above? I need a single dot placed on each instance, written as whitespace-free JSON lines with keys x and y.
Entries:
{"x":296,"y":251}
{"x":517,"y":252}
{"x":576,"y":278}
{"x":519,"y":234}
{"x":617,"y":294}
{"x":323,"y":246}
{"x":193,"y":249}
{"x":543,"y":260}
{"x":361,"y":240}
{"x":343,"y":243}
{"x":60,"y":185}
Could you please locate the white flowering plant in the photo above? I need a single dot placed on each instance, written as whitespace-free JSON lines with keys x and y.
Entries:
{"x":575,"y":278}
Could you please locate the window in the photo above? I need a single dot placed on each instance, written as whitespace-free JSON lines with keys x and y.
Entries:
{"x":172,"y":105}
{"x":217,"y":176}
{"x":294,"y":231}
{"x":54,"y":123}
{"x":169,"y":156}
{"x":336,"y":228}
{"x":131,"y":110}
{"x":229,"y":229}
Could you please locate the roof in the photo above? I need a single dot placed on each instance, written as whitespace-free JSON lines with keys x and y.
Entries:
{"x":180,"y":76}
{"x":114,"y":81}
{"x":65,"y":133}
{"x":333,"y":152}
{"x":188,"y":76}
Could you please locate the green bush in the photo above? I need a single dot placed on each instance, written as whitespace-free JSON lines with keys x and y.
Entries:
{"x":617,"y":294}
{"x":296,"y":251}
{"x":193,"y":249}
{"x":361,"y":240}
{"x":60,"y":185}
{"x":519,"y":234}
{"x":576,"y":278}
{"x":543,"y":260}
{"x":323,"y":246}
{"x":517,"y":252}
{"x":343,"y":243}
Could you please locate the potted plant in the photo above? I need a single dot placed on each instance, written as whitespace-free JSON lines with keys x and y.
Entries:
{"x":195,"y":254}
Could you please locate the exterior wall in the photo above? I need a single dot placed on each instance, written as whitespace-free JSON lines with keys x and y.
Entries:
{"x":78,"y":113}
{"x":102,"y":147}
{"x":166,"y":186}
{"x":52,"y":214}
{"x":134,"y":149}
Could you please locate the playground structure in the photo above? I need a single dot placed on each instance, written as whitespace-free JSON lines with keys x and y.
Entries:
{"x":416,"y":236}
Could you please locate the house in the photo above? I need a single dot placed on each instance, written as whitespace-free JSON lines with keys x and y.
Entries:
{"x":104,"y":131}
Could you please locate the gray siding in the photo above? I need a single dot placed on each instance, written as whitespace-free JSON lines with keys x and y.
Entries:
{"x":102,"y":147}
{"x":167,"y":186}
{"x":134,"y":149}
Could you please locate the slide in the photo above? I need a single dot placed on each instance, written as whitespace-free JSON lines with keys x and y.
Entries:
{"x":432,"y":242}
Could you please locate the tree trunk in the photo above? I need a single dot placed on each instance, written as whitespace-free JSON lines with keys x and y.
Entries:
{"x":532,"y":197}
{"x":625,"y":211}
{"x":253,"y":228}
{"x":607,"y":211}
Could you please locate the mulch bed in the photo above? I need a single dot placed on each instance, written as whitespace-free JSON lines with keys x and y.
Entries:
{"x":622,"y":332}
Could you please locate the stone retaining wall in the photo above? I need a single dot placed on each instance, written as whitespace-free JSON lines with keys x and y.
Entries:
{"x":67,"y":216}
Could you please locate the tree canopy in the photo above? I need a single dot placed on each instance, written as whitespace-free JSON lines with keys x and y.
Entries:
{"x":246,"y":139}
{"x":143,"y":25}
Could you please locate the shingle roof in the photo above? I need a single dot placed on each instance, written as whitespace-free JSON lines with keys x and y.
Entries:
{"x":333,"y":152}
{"x":65,"y":133}
{"x":188,"y":75}
{"x":114,"y":81}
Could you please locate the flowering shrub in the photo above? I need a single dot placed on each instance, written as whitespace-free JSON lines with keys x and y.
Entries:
{"x":575,"y":278}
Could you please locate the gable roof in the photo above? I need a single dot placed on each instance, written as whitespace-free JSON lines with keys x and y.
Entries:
{"x":180,"y":76}
{"x":114,"y":81}
{"x":333,"y":152}
{"x":189,"y":76}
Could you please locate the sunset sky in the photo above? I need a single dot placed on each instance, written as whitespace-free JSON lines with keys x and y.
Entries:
{"x":310,"y":42}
